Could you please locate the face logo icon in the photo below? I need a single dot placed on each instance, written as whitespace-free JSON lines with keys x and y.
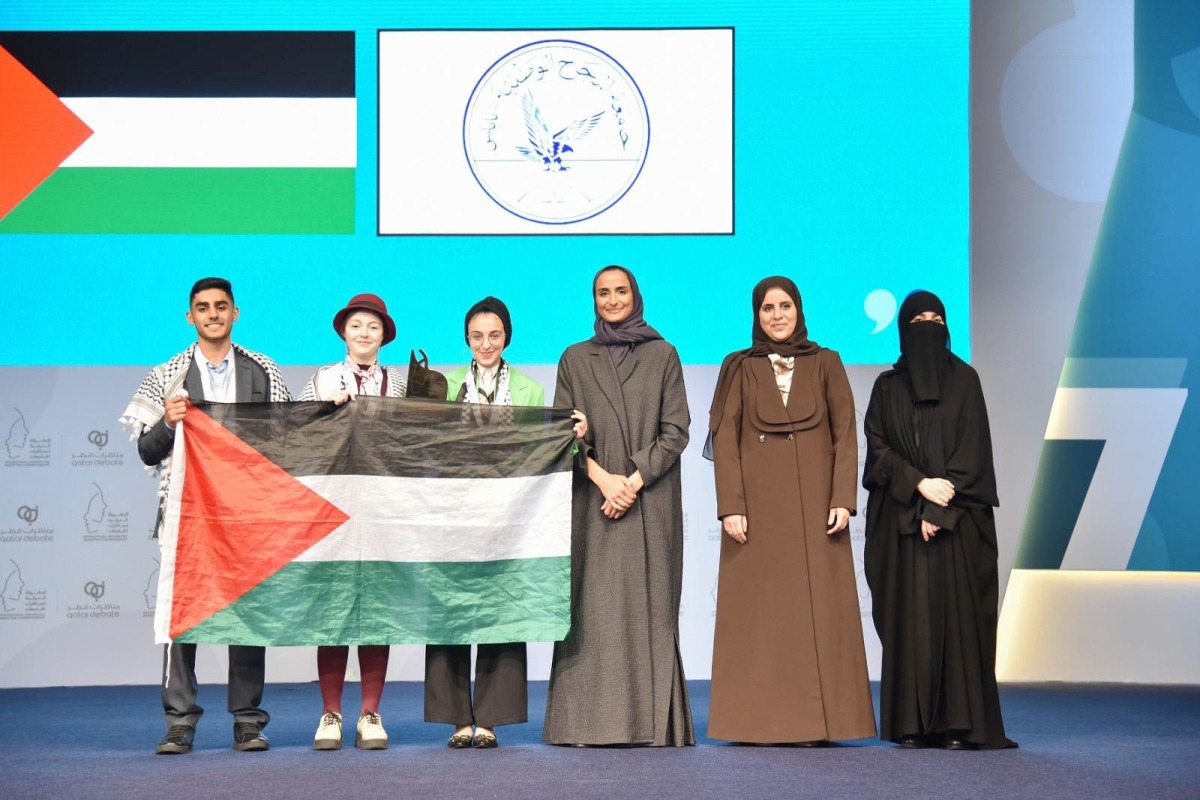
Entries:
{"x":556,"y":132}
{"x":18,"y":435}
{"x":151,"y":590}
{"x":97,"y":510}
{"x":13,"y":588}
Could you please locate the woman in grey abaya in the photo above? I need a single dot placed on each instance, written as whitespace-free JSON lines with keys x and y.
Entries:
{"x":617,"y":679}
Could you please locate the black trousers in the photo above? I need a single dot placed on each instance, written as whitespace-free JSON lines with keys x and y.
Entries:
{"x":501,"y":693}
{"x":247,"y":673}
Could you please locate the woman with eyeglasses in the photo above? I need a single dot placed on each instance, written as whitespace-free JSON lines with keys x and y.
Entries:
{"x":500,"y":669}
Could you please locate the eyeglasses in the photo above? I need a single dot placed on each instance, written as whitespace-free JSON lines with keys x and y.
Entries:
{"x":495,"y":338}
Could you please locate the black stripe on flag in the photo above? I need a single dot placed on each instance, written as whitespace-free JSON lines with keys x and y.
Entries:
{"x":188,"y":63}
{"x":411,"y":438}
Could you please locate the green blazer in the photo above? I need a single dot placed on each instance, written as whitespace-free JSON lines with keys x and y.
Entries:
{"x":525,"y":390}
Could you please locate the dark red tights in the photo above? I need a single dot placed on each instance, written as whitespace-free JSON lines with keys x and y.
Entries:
{"x":331,"y":670}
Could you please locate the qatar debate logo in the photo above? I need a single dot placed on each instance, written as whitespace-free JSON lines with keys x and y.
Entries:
{"x":28,"y":530}
{"x":98,"y":457}
{"x":556,"y":132}
{"x":95,"y":609}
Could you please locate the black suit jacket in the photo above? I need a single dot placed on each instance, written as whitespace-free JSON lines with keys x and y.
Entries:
{"x":252,"y":386}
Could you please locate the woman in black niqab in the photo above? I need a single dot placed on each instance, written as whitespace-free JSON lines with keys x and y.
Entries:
{"x":924,"y":344}
{"x":931,"y":541}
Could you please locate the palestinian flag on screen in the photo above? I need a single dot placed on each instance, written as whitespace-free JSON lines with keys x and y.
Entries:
{"x":384,"y":521}
{"x":177,"y":132}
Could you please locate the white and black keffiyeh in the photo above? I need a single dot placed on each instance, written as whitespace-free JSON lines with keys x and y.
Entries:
{"x":335,"y":377}
{"x":478,"y":397}
{"x":149,"y":402}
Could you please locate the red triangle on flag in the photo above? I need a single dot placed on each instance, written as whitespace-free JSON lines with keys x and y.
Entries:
{"x":242,"y":519}
{"x":37,"y":134}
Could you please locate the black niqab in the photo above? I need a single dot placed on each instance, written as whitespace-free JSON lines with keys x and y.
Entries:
{"x":924,"y":346}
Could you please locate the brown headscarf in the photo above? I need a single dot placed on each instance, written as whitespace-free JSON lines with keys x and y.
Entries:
{"x":798,"y":344}
{"x":633,"y":330}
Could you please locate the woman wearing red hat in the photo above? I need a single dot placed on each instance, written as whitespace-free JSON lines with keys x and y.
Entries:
{"x":365,"y":326}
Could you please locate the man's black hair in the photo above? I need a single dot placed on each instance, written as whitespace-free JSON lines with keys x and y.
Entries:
{"x":211,"y":283}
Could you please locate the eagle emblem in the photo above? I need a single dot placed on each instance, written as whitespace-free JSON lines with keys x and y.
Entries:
{"x":545,"y":148}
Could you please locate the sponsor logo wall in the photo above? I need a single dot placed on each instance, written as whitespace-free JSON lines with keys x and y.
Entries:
{"x":76,"y":512}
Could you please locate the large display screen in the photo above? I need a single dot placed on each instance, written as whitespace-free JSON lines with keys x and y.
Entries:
{"x":436,"y":153}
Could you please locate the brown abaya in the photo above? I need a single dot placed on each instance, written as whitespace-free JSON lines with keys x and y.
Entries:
{"x":788,"y":658}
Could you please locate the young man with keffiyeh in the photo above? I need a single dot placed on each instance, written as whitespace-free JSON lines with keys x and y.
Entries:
{"x":216,"y":370}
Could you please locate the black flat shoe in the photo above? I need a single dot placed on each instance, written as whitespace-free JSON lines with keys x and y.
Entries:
{"x":954,"y":742}
{"x":914,"y":742}
{"x":485,"y":741}
{"x":459,"y":741}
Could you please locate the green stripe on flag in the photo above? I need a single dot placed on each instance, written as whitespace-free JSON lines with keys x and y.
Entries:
{"x":383,"y":602}
{"x":188,"y":200}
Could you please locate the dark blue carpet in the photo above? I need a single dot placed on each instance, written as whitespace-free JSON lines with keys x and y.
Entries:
{"x":1089,"y":742}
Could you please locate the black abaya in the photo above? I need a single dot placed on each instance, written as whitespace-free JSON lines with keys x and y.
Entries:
{"x":935,"y":602}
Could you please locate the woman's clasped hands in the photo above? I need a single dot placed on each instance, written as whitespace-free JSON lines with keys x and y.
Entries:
{"x":938,"y":491}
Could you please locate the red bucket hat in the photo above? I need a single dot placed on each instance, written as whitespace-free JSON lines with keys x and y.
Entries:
{"x":372,"y":303}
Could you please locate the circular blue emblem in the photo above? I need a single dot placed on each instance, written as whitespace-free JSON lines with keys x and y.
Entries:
{"x":556,"y":132}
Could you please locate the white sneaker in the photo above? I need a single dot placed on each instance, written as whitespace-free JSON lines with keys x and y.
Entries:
{"x":329,"y":732}
{"x":370,"y":735}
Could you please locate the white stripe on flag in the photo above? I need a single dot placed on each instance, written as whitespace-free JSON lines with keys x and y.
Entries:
{"x":169,"y":539}
{"x":445,"y":519}
{"x":216,"y":132}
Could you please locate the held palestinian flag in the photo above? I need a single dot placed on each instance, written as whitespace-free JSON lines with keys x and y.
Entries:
{"x":383,"y":521}
{"x":177,"y":132}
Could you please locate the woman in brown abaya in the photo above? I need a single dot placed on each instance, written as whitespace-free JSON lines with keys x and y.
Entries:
{"x":788,"y":659}
{"x":931,"y":541}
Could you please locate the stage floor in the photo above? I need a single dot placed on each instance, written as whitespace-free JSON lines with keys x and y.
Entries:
{"x":1077,"y":741}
